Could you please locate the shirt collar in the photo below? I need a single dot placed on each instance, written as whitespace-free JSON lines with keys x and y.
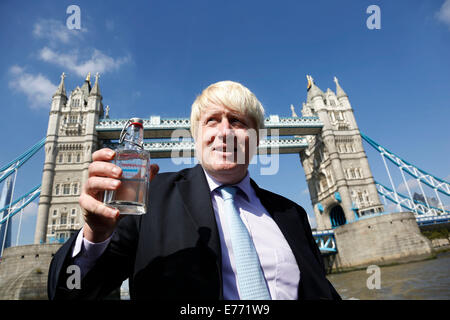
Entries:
{"x":244,"y":185}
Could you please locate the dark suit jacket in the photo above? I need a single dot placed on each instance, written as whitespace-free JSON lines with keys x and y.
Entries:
{"x":173,"y":251}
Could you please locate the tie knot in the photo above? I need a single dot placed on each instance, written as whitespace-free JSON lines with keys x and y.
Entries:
{"x":228,"y":192}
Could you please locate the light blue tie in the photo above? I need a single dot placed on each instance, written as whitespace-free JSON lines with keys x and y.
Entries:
{"x":252,"y":285}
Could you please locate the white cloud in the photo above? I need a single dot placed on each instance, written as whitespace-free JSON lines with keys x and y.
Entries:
{"x":55,"y":31}
{"x":37,"y":88}
{"x":98,"y":62}
{"x":443,"y":14}
{"x":75,"y":60}
{"x":412,"y":184}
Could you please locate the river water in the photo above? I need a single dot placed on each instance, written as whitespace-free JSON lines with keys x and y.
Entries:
{"x":423,"y":280}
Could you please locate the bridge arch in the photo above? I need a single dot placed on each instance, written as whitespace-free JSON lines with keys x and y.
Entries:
{"x":337,"y":216}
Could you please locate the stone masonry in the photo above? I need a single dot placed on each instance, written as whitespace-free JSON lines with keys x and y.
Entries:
{"x":339,"y":178}
{"x":71,"y":139}
{"x":380,"y":240}
{"x":24,"y":271}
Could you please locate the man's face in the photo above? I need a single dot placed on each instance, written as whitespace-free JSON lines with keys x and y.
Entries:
{"x":226,"y":141}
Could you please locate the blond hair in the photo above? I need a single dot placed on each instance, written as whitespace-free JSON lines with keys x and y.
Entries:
{"x":232,"y":95}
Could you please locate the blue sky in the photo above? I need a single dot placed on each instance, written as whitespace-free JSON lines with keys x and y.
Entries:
{"x":154,"y":57}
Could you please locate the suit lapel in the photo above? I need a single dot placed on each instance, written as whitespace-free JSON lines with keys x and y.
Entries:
{"x":194,"y":191}
{"x":290,"y":224}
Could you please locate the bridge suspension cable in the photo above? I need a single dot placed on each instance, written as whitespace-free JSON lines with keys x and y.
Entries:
{"x":439,"y":185}
{"x":16,"y":206}
{"x":12,"y":208}
{"x":404,"y":201}
{"x":9,"y":168}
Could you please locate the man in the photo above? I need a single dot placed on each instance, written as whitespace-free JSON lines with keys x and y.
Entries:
{"x":210,"y":232}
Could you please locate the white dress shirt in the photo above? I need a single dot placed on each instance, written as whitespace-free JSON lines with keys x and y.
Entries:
{"x":277,"y":260}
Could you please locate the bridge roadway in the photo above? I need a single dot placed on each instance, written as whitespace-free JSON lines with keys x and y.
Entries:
{"x":185,"y":149}
{"x":181,"y":144}
{"x":156,"y":127}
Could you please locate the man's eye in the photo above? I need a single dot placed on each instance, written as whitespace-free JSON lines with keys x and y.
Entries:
{"x":237,"y":121}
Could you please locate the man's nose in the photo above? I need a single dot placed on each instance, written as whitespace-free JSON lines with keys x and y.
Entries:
{"x":225,"y":128}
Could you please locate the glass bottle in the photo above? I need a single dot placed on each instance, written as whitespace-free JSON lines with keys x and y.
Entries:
{"x":131,"y":196}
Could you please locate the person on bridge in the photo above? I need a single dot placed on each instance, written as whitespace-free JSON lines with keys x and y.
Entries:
{"x":210,"y":232}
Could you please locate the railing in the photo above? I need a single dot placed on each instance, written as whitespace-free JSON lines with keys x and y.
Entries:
{"x":422,"y":221}
{"x":157,"y":122}
{"x":291,"y":121}
{"x":325,"y":241}
{"x":154,"y":122}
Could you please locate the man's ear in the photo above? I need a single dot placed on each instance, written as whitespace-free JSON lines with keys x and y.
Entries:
{"x":197,"y":146}
{"x":258,"y":137}
{"x":260,"y":133}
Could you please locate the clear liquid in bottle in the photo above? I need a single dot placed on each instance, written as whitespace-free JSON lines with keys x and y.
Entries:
{"x":131,"y":196}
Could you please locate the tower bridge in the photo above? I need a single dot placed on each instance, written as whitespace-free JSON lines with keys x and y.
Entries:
{"x":157,"y":127}
{"x":345,"y":197}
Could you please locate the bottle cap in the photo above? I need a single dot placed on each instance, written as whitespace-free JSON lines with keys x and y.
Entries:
{"x":137,"y":122}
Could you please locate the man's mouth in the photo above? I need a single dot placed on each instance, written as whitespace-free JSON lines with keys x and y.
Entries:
{"x":224,"y":148}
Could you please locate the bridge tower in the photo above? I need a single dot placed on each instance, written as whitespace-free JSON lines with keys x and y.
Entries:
{"x":71,"y":138}
{"x":337,"y":171}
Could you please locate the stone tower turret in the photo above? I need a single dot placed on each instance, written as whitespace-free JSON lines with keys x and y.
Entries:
{"x":59,"y":101}
{"x":339,"y":179}
{"x":71,"y":137}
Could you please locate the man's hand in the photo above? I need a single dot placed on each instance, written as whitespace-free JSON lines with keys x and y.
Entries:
{"x":100,"y":219}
